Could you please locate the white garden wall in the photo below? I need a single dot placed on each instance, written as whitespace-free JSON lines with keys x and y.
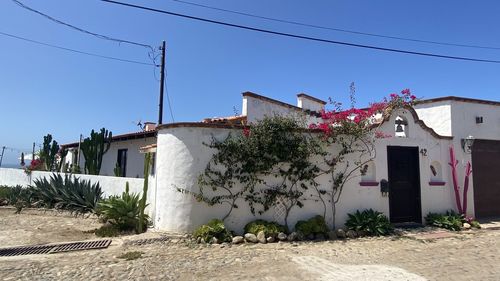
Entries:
{"x":182,"y":157}
{"x":109,"y":185}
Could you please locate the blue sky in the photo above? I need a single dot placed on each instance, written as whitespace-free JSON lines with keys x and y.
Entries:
{"x":45,"y":90}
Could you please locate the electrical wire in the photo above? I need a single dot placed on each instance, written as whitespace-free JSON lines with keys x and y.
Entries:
{"x":75,"y":51}
{"x":168,"y":97}
{"x":19,"y":3}
{"x":337,"y":29}
{"x":316,"y":39}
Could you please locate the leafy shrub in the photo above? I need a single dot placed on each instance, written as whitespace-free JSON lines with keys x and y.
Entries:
{"x":14,"y":195}
{"x":68,"y":193}
{"x":122,"y":211}
{"x":450,"y":220}
{"x":107,"y":230}
{"x":314,"y":225}
{"x":269,"y":228}
{"x":371,"y":222}
{"x":4,"y":192}
{"x":214,"y":228}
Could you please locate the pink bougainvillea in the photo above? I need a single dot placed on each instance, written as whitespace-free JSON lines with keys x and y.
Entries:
{"x":337,"y":120}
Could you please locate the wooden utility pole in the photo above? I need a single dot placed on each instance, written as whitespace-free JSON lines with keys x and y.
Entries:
{"x":162,"y":83}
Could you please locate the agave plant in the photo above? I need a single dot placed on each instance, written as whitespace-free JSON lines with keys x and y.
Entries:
{"x":369,"y":221}
{"x":123,"y":211}
{"x":67,"y":193}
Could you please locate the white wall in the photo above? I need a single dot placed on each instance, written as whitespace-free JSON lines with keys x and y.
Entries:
{"x":255,"y":109}
{"x":436,"y":115}
{"x":109,"y":185}
{"x":182,"y":157}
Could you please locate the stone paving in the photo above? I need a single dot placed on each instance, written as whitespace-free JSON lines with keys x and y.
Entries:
{"x":472,"y":255}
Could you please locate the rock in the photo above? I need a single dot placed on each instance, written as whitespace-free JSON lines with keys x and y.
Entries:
{"x":270,"y":239}
{"x":351,"y":234}
{"x":362,"y":233}
{"x":300,"y":236}
{"x":214,"y":240}
{"x":250,"y":237}
{"x":310,"y":236}
{"x":238,"y":239}
{"x":292,"y":236}
{"x":282,"y":236}
{"x":261,"y":236}
{"x":319,"y":237}
{"x":332,"y":235}
{"x":340,"y":233}
{"x":466,"y":225}
{"x":198,"y":240}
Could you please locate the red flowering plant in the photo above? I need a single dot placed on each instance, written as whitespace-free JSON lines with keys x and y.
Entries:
{"x":350,"y":136}
{"x":35,"y":165}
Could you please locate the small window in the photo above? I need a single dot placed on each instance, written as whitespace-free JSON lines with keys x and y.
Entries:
{"x":368,"y":174}
{"x":122,"y":161}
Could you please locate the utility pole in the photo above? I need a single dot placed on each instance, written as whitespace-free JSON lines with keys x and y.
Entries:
{"x":162,"y":82}
{"x":1,"y":156}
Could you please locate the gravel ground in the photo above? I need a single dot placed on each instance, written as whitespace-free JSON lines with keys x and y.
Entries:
{"x":472,"y":255}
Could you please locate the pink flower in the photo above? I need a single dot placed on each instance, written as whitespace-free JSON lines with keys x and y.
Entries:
{"x":412,"y":97}
{"x":246,"y":132}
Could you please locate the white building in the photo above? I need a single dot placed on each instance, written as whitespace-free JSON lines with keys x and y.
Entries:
{"x":123,"y":151}
{"x":420,"y":151}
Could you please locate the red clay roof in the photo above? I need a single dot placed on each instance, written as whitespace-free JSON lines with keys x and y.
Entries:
{"x":123,"y":137}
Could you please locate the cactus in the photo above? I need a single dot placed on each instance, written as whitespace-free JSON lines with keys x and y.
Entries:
{"x":48,"y":153}
{"x":142,"y":203}
{"x":93,"y":149}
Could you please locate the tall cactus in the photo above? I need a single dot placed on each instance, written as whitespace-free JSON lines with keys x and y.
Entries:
{"x":94,"y":148}
{"x":48,"y":153}
{"x":142,"y":203}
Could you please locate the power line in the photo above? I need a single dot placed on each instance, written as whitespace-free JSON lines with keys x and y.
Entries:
{"x":301,"y":36}
{"x":168,"y":98}
{"x":337,"y":29}
{"x":75,"y":51}
{"x":104,"y":37}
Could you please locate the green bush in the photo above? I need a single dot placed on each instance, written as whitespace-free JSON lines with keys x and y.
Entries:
{"x":269,"y":228}
{"x":14,"y":195}
{"x":4,"y":192}
{"x":68,"y":193}
{"x":450,"y":220}
{"x":214,"y":228}
{"x":371,"y":222}
{"x":314,"y":225}
{"x":122,"y":211}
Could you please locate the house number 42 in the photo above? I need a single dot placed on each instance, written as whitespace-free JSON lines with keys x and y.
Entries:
{"x":423,"y":151}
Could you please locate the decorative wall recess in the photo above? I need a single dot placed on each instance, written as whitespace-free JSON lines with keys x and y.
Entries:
{"x":368,"y":175}
{"x":436,"y":174}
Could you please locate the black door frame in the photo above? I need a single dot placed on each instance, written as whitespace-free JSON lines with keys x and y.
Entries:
{"x":418,"y":205}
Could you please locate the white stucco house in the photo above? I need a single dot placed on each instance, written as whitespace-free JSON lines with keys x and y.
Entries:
{"x":404,"y":161}
{"x":412,"y":164}
{"x":124,"y":151}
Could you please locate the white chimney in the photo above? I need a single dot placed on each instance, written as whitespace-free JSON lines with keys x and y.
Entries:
{"x":307,"y":102}
{"x":149,"y":126}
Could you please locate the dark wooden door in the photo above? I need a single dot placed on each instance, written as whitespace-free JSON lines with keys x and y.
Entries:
{"x":486,"y":174}
{"x":404,"y":184}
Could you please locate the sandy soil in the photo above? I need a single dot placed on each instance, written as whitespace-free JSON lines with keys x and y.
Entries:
{"x":473,"y":255}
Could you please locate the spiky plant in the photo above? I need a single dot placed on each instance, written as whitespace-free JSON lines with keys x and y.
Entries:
{"x":123,"y":211}
{"x":67,"y":193}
